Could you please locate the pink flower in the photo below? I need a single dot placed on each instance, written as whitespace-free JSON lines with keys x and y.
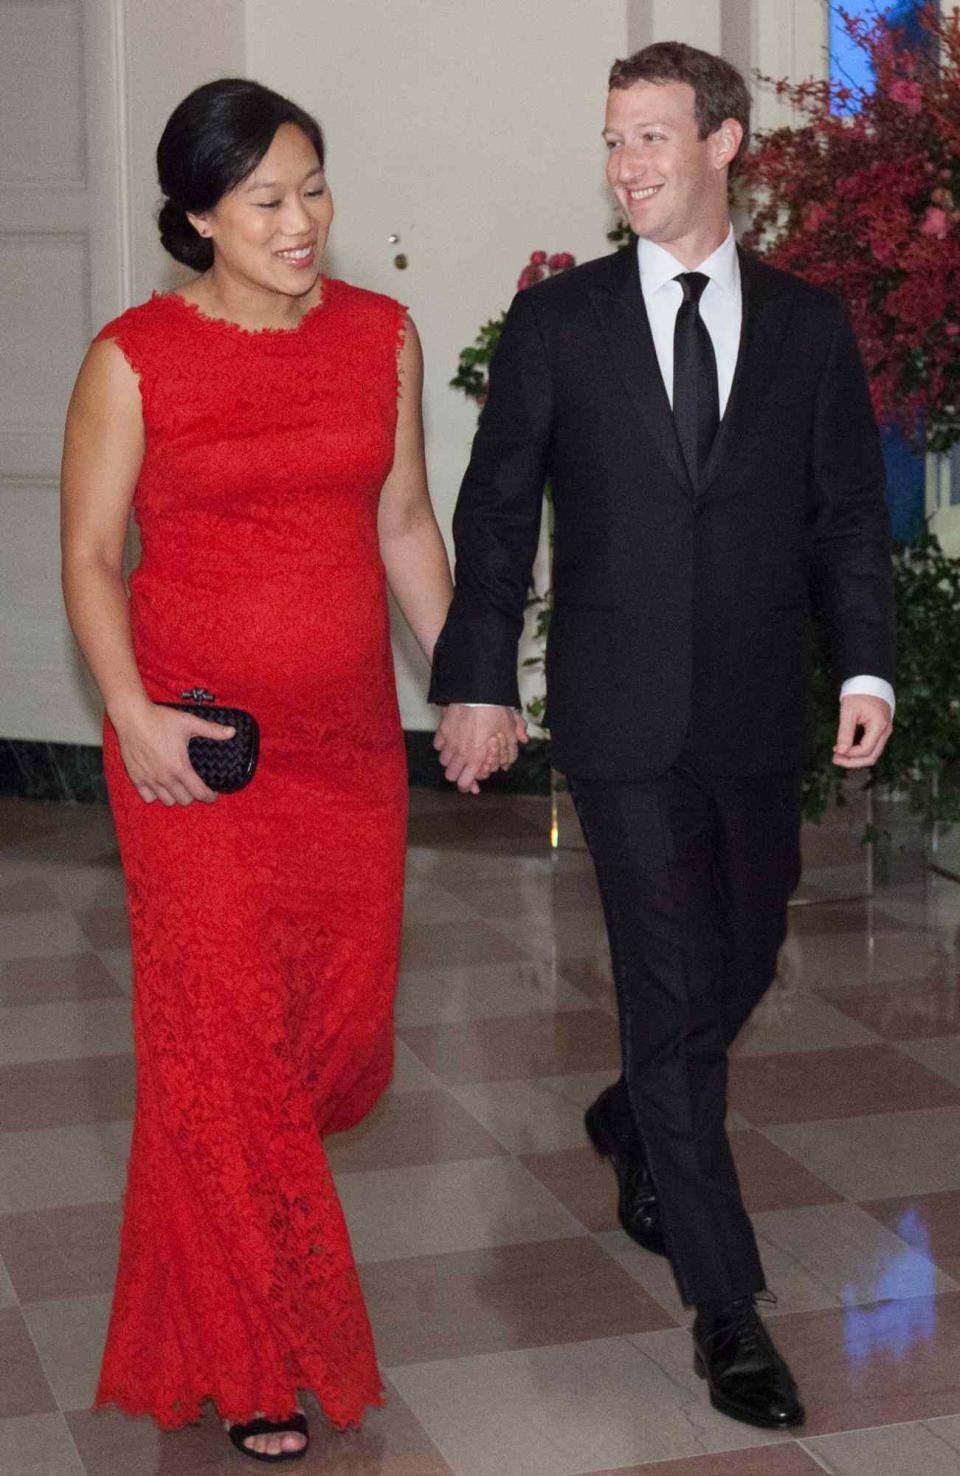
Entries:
{"x":908,"y":92}
{"x":814,"y":216}
{"x":953,"y":329}
{"x":561,"y":261}
{"x":538,"y":258}
{"x":935,"y":223}
{"x":530,"y":275}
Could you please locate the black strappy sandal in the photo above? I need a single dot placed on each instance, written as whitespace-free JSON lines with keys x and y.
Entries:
{"x":295,"y":1425}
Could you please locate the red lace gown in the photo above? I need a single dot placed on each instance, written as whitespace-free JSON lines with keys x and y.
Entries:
{"x":265,"y":926}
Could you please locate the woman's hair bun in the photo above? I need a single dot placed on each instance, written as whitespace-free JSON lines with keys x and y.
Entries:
{"x":182,"y":241}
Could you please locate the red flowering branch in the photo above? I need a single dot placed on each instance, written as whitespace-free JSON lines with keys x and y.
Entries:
{"x":472,"y":368}
{"x":863,"y":197}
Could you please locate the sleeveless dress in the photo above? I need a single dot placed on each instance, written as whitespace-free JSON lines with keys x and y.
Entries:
{"x":265,"y":926}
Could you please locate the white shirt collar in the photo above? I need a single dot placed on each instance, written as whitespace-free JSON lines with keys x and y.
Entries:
{"x":658,"y":266}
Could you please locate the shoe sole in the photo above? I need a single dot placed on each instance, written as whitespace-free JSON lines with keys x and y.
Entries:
{"x":734,"y":1412}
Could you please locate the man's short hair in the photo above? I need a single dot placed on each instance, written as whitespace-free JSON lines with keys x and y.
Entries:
{"x":719,"y":89}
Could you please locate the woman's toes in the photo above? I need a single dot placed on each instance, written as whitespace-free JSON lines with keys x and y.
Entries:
{"x":285,"y":1442}
{"x":279,"y":1444}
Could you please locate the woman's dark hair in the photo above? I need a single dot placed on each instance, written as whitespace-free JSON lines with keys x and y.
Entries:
{"x":212,"y":141}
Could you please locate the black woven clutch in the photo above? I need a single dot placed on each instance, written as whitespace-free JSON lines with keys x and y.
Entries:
{"x":228,"y":765}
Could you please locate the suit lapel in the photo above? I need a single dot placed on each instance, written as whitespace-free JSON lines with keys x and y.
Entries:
{"x":623,"y":318}
{"x":765,"y":314}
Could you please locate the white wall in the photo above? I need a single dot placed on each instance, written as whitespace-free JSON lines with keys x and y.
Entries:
{"x":472,"y":132}
{"x":168,"y":49}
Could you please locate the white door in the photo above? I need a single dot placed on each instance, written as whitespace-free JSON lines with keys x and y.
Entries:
{"x":61,"y":275}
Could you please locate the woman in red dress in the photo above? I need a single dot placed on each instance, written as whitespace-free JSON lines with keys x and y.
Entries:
{"x":265,"y":425}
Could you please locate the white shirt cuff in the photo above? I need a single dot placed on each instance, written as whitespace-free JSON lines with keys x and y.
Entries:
{"x":869,"y":686}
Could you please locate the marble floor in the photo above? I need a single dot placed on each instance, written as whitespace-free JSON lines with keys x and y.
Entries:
{"x":520,"y":1332}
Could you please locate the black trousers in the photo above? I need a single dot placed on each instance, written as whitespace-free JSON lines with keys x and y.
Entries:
{"x":695,"y":872}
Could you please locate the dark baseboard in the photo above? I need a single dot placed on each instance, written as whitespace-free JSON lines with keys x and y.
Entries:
{"x":72,"y":773}
{"x":69,"y":772}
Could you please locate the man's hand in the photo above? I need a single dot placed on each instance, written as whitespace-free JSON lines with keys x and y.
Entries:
{"x":473,"y":742}
{"x":871,"y":715}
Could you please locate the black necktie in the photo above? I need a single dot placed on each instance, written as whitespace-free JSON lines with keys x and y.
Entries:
{"x":696,"y":396}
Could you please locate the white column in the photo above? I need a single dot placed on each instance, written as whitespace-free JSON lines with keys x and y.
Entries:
{"x":778,"y":38}
{"x":697,"y":22}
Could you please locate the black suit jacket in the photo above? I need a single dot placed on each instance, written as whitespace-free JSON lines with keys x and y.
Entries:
{"x":681,"y":614}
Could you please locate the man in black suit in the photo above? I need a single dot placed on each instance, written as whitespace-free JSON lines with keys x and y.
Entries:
{"x":705,"y":424}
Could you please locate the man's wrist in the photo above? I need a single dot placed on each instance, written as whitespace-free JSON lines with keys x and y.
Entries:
{"x":870,"y":686}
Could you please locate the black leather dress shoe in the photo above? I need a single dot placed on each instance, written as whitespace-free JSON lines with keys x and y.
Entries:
{"x":638,"y":1209}
{"x":747,"y":1377}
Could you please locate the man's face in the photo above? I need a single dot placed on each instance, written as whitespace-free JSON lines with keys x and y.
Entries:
{"x":668,"y":179}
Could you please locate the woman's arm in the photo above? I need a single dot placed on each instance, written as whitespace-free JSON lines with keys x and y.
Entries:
{"x":102,"y":454}
{"x":411,"y":546}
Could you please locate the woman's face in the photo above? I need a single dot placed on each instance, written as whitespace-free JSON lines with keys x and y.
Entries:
{"x":271,"y":229}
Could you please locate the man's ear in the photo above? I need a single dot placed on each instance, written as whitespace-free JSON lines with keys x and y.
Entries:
{"x":726,"y":141}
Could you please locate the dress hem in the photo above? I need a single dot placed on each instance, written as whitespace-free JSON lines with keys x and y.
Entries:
{"x":193,"y":1414}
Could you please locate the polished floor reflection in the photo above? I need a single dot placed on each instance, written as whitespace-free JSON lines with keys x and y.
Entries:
{"x":522,"y":1334}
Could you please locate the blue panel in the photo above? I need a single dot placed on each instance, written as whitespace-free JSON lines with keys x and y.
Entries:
{"x":906,"y":486}
{"x":848,"y":63}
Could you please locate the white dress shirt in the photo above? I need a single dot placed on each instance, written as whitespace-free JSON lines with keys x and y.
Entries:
{"x":721,"y":308}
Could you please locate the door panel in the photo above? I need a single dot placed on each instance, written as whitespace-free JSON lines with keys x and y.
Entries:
{"x":61,"y":275}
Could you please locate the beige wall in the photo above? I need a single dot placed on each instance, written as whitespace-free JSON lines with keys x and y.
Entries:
{"x":472,"y":132}
{"x":697,"y":22}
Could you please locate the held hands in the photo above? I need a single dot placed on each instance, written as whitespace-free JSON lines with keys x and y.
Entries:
{"x":474,"y":742}
{"x":153,"y":744}
{"x":872,"y":716}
